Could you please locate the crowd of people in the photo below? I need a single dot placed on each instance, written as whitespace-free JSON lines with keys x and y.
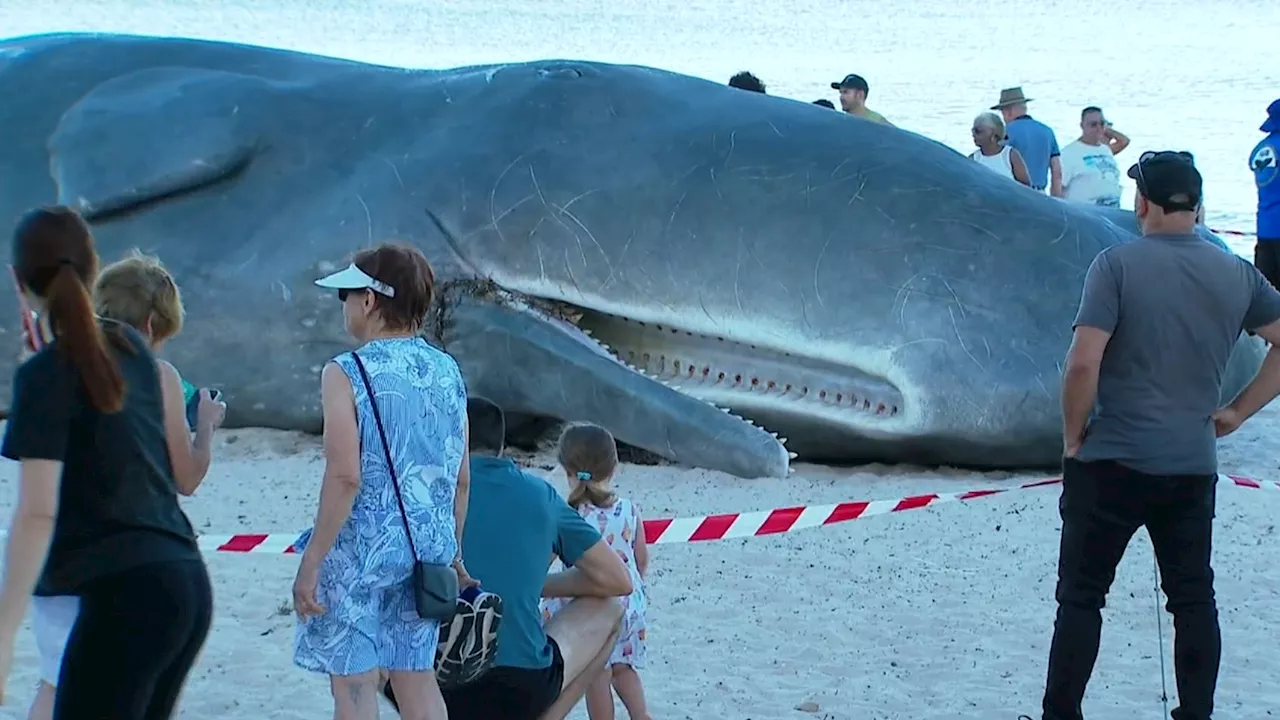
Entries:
{"x":424,"y":577}
{"x":1014,"y":144}
{"x":1017,"y":146}
{"x":122,"y":600}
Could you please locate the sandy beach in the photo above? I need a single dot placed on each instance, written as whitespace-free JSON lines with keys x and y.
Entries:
{"x":943,"y":612}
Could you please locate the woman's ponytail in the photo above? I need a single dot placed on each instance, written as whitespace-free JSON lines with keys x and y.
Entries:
{"x":81,"y":340}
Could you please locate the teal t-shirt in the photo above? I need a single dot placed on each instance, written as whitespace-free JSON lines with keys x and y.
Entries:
{"x":515,"y":521}
{"x":188,"y":391}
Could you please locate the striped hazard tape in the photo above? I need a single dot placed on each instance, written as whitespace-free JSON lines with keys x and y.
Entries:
{"x":1236,"y":233}
{"x":727,"y":525}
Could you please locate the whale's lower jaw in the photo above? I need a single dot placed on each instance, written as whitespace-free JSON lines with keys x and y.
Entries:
{"x":752,"y":380}
{"x":533,"y":359}
{"x":819,"y":411}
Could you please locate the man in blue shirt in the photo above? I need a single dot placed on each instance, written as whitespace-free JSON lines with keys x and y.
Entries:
{"x":516,"y":523}
{"x":1264,"y":161}
{"x":1033,"y":140}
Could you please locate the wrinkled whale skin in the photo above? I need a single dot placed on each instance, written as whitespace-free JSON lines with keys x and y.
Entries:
{"x":614,"y":244}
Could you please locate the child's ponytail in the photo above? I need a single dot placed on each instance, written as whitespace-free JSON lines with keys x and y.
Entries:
{"x":588,"y":492}
{"x":589,"y":453}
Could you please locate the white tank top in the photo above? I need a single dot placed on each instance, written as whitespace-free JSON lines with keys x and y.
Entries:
{"x":999,"y":162}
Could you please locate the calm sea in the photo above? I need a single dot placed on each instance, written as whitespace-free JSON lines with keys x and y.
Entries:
{"x":1180,"y":74}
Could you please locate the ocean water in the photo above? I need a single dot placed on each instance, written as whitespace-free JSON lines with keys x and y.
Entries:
{"x":1172,"y":74}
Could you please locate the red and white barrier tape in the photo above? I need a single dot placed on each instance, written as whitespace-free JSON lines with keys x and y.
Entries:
{"x":728,"y":525}
{"x":1237,"y":233}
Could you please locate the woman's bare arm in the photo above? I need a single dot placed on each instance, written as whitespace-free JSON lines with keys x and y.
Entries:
{"x":190,"y":458}
{"x":1019,"y":167}
{"x":463,"y":495}
{"x":30,"y":533}
{"x":342,"y":478}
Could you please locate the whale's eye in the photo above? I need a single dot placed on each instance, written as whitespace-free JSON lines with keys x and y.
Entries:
{"x":563,"y":72}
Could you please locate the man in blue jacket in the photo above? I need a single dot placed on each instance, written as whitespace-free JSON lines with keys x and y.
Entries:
{"x":1264,"y":161}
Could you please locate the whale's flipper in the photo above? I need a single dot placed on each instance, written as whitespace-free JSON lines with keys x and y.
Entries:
{"x":531,"y":363}
{"x":154,"y":134}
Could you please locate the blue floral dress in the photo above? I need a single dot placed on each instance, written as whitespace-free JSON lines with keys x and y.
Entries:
{"x":365,"y":580}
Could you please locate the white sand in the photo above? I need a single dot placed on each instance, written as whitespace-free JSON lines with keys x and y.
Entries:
{"x":944,"y":612}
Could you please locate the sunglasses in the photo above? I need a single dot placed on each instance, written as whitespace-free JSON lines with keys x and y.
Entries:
{"x":344,"y":294}
{"x":1148,"y":155}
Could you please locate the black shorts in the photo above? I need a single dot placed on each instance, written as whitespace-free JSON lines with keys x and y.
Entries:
{"x":508,"y":693}
{"x":1266,"y":257}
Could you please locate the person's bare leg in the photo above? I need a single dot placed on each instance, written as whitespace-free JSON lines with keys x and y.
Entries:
{"x":388,"y":692}
{"x":42,"y":706}
{"x":418,"y":696}
{"x":355,"y":697}
{"x":585,"y":630}
{"x":600,"y":697}
{"x":630,"y":690}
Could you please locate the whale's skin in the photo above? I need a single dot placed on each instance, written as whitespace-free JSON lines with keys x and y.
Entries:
{"x":868,"y":293}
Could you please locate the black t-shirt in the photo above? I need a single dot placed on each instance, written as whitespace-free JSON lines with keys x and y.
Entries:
{"x":118,"y":503}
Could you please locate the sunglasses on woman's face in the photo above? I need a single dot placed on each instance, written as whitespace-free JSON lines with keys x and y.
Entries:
{"x":344,"y":294}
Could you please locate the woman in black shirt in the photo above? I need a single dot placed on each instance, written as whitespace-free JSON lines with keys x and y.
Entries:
{"x":97,"y":506}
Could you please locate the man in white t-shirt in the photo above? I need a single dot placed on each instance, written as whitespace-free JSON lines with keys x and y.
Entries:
{"x":1089,"y":170}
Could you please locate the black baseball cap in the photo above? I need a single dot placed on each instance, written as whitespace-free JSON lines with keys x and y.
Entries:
{"x":1169,"y":179}
{"x":853,"y":82}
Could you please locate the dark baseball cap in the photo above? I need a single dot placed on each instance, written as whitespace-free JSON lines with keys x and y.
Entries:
{"x":853,"y":82}
{"x":1169,"y":179}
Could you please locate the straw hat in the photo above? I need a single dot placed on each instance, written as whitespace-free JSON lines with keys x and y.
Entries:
{"x":1010,"y":96}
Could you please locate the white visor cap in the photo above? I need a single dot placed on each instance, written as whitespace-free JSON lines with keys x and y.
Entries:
{"x":353,"y":278}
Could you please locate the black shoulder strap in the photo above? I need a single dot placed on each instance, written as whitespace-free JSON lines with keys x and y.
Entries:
{"x":386,"y":449}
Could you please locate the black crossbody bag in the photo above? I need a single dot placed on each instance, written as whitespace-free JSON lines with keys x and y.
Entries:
{"x":435,"y":587}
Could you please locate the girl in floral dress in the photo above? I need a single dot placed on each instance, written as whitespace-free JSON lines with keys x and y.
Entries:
{"x":589,"y":457}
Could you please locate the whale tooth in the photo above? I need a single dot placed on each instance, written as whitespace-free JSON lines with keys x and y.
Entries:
{"x":725,"y":410}
{"x":775,"y":435}
{"x":792,"y":455}
{"x":781,"y":440}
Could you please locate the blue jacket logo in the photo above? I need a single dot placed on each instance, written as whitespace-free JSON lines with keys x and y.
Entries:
{"x":1264,"y":164}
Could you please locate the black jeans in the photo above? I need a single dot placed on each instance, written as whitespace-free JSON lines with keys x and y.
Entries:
{"x":1103,"y":504}
{"x":136,"y":637}
{"x":1266,"y":257}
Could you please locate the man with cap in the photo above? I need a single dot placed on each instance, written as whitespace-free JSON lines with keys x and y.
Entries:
{"x":1158,"y":319}
{"x":853,"y":99}
{"x":1033,"y":140}
{"x":1264,"y":162}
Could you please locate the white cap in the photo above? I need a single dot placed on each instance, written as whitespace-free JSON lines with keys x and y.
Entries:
{"x":353,"y":278}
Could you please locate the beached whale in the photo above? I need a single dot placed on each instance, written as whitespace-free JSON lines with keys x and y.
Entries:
{"x":867,"y":292}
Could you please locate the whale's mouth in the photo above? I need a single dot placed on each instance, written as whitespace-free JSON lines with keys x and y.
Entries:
{"x":752,"y":381}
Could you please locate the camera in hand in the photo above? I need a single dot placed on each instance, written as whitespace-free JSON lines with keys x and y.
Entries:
{"x":193,"y":406}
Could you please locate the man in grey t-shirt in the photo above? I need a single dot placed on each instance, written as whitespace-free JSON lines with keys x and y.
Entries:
{"x":1157,"y":322}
